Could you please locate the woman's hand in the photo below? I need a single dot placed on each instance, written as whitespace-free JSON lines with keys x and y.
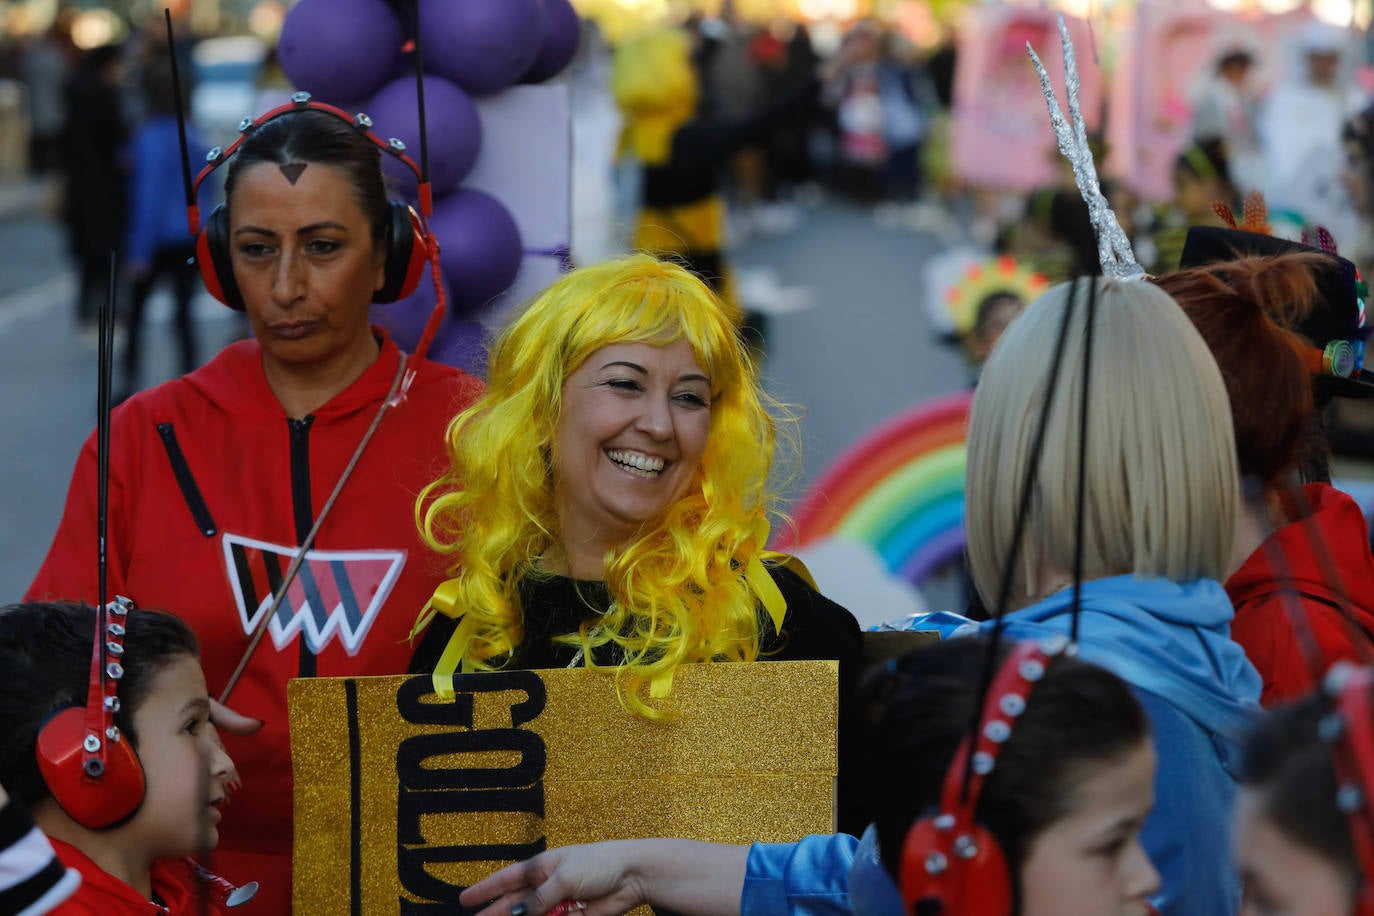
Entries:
{"x":600,"y":874}
{"x":232,"y":722}
{"x":686,"y":876}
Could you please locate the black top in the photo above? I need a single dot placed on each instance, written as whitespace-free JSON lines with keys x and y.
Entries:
{"x":814,"y":628}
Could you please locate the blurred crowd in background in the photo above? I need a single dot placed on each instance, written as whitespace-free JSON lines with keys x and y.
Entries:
{"x":925,"y":114}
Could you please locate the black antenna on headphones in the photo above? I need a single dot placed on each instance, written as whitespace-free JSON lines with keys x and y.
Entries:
{"x":436,"y":316}
{"x":193,"y":211}
{"x":1019,"y":529}
{"x":104,"y":383}
{"x":426,"y":205}
{"x":1081,"y":510}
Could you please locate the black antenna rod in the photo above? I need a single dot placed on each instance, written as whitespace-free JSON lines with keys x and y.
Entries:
{"x":1080,"y":521}
{"x":102,"y":512}
{"x":420,"y":98}
{"x":1019,"y":530}
{"x":181,"y":128}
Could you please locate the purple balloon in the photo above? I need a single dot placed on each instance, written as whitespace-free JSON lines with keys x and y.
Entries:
{"x":562,"y":35}
{"x":406,"y":318}
{"x":454,"y":129}
{"x":482,"y":45}
{"x":462,"y":342}
{"x":479,"y":247}
{"x":339,"y":49}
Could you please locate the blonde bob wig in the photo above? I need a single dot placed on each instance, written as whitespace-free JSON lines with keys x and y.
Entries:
{"x":678,"y":588}
{"x":1162,"y":487}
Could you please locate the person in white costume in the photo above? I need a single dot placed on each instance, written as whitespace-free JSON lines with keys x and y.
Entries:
{"x":1300,"y":130}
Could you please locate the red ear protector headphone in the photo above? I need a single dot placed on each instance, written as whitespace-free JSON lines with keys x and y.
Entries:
{"x":1349,"y":730}
{"x":951,"y":864}
{"x":406,"y":241}
{"x":91,"y":770}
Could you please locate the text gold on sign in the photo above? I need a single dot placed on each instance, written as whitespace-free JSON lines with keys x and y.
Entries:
{"x":403,"y":800}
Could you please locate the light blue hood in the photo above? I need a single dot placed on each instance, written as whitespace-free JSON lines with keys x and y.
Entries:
{"x":1170,"y":639}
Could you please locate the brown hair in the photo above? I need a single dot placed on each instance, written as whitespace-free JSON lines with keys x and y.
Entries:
{"x":1245,"y":310}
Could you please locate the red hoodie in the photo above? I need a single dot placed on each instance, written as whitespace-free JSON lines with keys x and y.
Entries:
{"x":102,"y":894}
{"x":211,"y":486}
{"x":1261,"y":624}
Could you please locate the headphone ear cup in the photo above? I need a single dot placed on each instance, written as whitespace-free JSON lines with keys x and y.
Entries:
{"x":407,"y":253}
{"x":212,"y":255}
{"x":95,"y":802}
{"x":935,"y":874}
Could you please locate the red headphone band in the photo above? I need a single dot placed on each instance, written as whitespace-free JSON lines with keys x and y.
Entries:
{"x":1349,"y":730}
{"x":89,"y":767}
{"x":301,"y":101}
{"x":949,"y":858}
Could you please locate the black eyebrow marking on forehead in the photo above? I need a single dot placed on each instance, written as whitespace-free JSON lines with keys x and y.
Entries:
{"x":292,"y":171}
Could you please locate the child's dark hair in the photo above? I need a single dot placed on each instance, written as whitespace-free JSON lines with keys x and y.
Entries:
{"x":1288,"y":766}
{"x":921,"y":706}
{"x":990,"y":304}
{"x":45,"y":666}
{"x":318,"y":136}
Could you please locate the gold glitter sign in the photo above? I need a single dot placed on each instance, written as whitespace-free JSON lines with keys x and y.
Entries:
{"x":402,"y":800}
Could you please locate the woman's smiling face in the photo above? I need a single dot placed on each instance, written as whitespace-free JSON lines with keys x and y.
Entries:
{"x":629,"y":440}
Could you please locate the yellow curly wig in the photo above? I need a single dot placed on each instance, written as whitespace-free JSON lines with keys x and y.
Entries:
{"x":679,"y":589}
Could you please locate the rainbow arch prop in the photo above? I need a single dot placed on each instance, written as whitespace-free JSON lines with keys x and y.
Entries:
{"x":899,"y":490}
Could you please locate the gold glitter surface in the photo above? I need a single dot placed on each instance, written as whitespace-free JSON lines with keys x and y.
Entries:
{"x":748,"y":755}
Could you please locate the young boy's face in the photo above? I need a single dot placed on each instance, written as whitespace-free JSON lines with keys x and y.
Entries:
{"x":186,"y":767}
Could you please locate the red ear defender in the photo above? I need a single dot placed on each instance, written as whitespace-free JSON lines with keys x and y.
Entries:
{"x":90,"y":768}
{"x":950,"y":863}
{"x":1349,"y":729}
{"x":407,"y":252}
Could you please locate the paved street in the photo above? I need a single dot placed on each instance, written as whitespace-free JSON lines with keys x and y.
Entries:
{"x":47,"y":374}
{"x":861,"y":352}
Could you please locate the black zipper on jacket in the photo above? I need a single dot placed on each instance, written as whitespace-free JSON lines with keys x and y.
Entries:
{"x":301,"y":509}
{"x":200,"y":513}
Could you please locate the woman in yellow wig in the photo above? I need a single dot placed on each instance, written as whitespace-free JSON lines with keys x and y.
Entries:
{"x":685,"y":153}
{"x":615,"y":497}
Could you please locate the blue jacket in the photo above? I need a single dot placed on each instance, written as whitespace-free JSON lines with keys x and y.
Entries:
{"x":157,"y":199}
{"x":825,"y":875}
{"x":1171,"y":642}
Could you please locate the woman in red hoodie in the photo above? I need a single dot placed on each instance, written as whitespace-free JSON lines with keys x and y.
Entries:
{"x":1298,"y":540}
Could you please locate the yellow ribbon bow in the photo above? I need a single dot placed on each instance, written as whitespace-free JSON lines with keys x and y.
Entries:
{"x":445,"y":601}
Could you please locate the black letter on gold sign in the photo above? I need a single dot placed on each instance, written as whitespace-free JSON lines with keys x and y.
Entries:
{"x":427,"y":790}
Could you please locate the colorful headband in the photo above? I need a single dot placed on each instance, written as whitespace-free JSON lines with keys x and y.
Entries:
{"x":1002,"y":275}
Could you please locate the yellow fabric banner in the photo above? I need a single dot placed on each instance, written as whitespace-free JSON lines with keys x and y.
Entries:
{"x":402,"y":800}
